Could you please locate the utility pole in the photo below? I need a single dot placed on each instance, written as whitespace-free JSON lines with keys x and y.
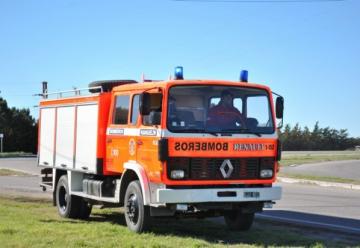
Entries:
{"x":44,"y":90}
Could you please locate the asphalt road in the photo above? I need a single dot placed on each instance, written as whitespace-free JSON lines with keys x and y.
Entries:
{"x":22,"y":185}
{"x":305,"y":205}
{"x":315,"y":206}
{"x":26,"y":164}
{"x":349,"y":169}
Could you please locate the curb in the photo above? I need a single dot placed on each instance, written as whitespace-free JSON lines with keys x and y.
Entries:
{"x":319,"y":183}
{"x":20,"y":156}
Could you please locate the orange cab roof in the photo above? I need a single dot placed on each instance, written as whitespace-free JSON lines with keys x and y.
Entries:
{"x":165,"y":84}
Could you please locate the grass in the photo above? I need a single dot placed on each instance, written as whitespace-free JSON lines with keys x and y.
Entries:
{"x":14,"y":154}
{"x":320,"y":178}
{"x":35,"y":223}
{"x":314,"y":157}
{"x":7,"y":172}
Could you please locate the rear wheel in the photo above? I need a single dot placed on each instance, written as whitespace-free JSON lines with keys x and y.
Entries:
{"x":238,"y":221}
{"x":137,"y":215}
{"x":70,"y":206}
{"x":85,"y":209}
{"x":67,"y":205}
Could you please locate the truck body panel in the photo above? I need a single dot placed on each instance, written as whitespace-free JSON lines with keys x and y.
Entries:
{"x":72,"y":133}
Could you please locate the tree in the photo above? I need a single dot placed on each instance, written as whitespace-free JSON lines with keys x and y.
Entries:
{"x":19,"y":129}
{"x":319,"y":138}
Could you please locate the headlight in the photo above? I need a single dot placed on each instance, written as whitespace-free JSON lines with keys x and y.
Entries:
{"x":177,"y":174}
{"x":266,"y":173}
{"x":178,"y":168}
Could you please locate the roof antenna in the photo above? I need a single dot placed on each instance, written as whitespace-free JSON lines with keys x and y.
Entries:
{"x":142,"y":77}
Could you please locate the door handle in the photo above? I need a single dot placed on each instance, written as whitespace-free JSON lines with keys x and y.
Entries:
{"x":139,"y":142}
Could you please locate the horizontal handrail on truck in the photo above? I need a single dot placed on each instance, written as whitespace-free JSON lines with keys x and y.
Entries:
{"x":77,"y":92}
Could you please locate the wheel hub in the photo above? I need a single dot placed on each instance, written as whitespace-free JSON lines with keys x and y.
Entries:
{"x":63,"y":198}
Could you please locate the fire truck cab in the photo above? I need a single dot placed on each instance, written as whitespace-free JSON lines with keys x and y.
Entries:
{"x":199,"y":148}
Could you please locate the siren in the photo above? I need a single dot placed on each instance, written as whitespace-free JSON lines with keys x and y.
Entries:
{"x":179,"y":73}
{"x":244,"y":76}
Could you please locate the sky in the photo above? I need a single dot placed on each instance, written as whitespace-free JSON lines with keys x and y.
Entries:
{"x":309,"y":52}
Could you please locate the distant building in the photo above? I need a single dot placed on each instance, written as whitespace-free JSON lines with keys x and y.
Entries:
{"x":357,"y":148}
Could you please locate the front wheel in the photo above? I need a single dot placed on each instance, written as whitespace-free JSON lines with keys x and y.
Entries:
{"x":238,"y":221}
{"x":137,"y":215}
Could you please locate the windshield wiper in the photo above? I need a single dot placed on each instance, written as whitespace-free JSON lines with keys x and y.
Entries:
{"x":241,"y":130}
{"x":196,"y":130}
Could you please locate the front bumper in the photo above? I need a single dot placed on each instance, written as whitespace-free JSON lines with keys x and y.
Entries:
{"x":218,"y":195}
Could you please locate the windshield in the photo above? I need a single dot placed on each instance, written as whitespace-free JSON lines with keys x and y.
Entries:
{"x":219,"y":109}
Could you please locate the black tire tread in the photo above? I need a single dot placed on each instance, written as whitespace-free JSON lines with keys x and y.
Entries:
{"x":237,"y":221}
{"x":72,"y":210}
{"x":85,"y":210}
{"x":145,"y":219}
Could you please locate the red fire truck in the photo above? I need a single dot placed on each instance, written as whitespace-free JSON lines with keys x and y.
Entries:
{"x":162,"y":148}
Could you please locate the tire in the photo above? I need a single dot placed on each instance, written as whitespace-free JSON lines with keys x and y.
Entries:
{"x":137,"y":216}
{"x":108,"y":85}
{"x":237,"y":221}
{"x":85,"y":210}
{"x":68,"y":206}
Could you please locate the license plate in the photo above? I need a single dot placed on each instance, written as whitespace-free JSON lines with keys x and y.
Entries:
{"x":251,"y":194}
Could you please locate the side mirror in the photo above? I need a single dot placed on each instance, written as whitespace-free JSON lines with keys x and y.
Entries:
{"x":279,"y":107}
{"x":144,"y":106}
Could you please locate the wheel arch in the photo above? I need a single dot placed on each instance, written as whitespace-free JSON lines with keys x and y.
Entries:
{"x":134,"y":171}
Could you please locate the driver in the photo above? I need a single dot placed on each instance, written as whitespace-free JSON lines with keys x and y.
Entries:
{"x":225,"y":115}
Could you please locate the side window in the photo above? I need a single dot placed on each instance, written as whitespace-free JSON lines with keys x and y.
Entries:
{"x":154,"y":118}
{"x":135,"y":110}
{"x":121,"y":110}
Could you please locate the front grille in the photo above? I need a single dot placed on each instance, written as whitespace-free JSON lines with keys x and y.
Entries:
{"x":209,"y":168}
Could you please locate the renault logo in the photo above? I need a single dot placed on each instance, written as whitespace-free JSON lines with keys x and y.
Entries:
{"x":226,"y":168}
